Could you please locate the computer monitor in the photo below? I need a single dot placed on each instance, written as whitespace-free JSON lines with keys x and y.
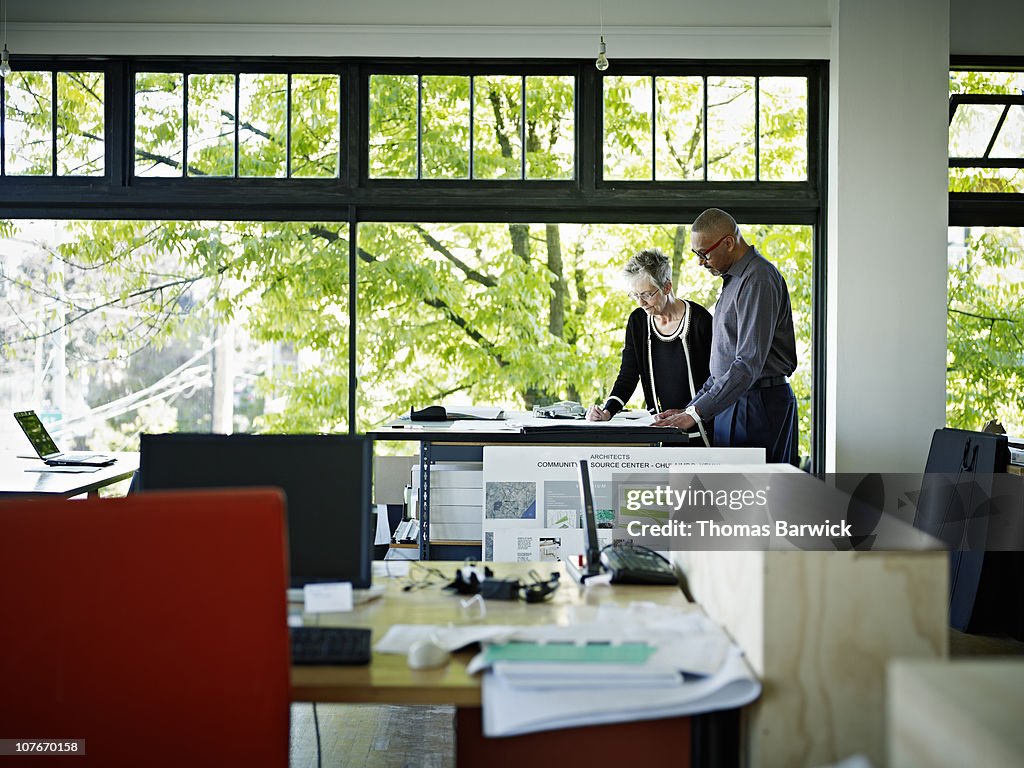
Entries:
{"x":325,"y":478}
{"x":593,"y":552}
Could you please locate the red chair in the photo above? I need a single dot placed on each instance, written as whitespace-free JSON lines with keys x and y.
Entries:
{"x":153,"y":627}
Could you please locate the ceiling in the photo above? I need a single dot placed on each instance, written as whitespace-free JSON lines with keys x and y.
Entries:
{"x":679,"y":13}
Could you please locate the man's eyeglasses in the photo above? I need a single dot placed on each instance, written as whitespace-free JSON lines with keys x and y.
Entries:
{"x":643,"y":296}
{"x":705,"y":255}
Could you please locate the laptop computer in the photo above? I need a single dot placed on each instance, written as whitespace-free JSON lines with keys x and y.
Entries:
{"x":43,"y":444}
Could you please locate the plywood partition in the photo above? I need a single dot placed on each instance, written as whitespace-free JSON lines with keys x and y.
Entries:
{"x":819,"y":629}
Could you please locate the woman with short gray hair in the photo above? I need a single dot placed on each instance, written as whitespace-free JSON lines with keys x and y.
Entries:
{"x":668,"y":341}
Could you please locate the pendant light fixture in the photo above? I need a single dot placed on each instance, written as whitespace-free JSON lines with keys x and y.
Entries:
{"x":5,"y":57}
{"x":602,"y":60}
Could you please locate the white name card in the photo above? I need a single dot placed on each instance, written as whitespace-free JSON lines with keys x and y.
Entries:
{"x":329,"y":597}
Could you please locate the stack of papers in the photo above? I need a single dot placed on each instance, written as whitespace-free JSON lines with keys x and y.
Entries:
{"x":514,"y":705}
{"x":614,"y":665}
{"x":629,"y":664}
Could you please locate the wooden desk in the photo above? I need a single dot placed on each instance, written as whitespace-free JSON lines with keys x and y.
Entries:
{"x":30,"y":477}
{"x":670,"y":741}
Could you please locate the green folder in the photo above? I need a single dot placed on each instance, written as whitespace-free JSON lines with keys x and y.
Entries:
{"x":623,"y":653}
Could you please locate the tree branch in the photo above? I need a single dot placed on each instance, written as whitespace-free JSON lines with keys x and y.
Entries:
{"x":989,"y":318}
{"x":468,"y":271}
{"x":83,"y":312}
{"x":462,"y":323}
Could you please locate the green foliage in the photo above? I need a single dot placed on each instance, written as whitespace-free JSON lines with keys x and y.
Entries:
{"x":627,"y":127}
{"x":28,"y":130}
{"x":783,"y":127}
{"x":159,"y":110}
{"x":80,"y":124}
{"x":445,"y":115}
{"x":985,"y":309}
{"x":680,"y":128}
{"x":486,"y":313}
{"x":550,"y":126}
{"x":393,"y":126}
{"x":497,"y":127}
{"x":315,"y":129}
{"x":262,"y":124}
{"x":972,"y":127}
{"x":985,"y":330}
{"x":211,"y":125}
{"x":731,"y":128}
{"x":678,"y":152}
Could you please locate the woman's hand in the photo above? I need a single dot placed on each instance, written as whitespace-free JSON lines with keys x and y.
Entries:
{"x":597,"y":413}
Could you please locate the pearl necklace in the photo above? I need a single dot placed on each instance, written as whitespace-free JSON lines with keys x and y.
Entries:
{"x":678,"y":333}
{"x":674,"y":334}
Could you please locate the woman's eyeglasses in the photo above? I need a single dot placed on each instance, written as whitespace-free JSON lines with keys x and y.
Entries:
{"x":705,"y":255}
{"x":643,"y":296}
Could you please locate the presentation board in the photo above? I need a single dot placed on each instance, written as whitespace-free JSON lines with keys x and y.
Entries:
{"x":532,"y":507}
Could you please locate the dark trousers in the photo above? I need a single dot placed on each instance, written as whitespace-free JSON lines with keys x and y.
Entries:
{"x":762,"y":418}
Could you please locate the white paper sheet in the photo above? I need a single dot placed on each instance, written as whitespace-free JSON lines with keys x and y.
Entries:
{"x":328,"y":597}
{"x":383,"y":535}
{"x":400,"y":637}
{"x":509,"y":710}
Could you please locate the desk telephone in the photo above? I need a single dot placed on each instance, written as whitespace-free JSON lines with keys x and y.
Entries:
{"x":629,"y":564}
{"x":564,"y":409}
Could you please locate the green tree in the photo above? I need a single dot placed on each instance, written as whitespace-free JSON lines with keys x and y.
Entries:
{"x":517,"y":313}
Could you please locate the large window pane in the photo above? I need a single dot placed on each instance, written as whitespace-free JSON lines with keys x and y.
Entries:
{"x":394,"y":145}
{"x":730,"y":128}
{"x":972,"y":126}
{"x":1002,"y":180}
{"x":985,"y":312}
{"x":80,"y":124}
{"x":111,"y":328}
{"x":550,"y":127}
{"x":497,"y":127}
{"x":159,"y":110}
{"x":316,"y":122}
{"x":526,"y":313}
{"x":262,"y":124}
{"x":982,"y":82}
{"x":680,"y":128}
{"x":971,"y":129}
{"x":1010,"y":141}
{"x":211,"y":125}
{"x":445,"y":137}
{"x":28,"y":123}
{"x":628,"y":150}
{"x":783,"y":126}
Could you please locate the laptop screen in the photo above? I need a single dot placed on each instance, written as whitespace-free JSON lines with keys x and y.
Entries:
{"x":325,"y":478}
{"x":36,"y":433}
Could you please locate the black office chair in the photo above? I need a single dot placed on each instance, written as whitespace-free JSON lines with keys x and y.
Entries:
{"x":986,"y":588}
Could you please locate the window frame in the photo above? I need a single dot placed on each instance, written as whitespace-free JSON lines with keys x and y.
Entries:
{"x":354,"y":198}
{"x":985,"y":209}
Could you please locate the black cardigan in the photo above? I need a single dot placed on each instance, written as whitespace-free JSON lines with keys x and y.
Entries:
{"x":669,"y":362}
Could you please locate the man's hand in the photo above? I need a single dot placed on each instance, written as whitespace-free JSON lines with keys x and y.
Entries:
{"x":674,"y":417}
{"x":597,"y":413}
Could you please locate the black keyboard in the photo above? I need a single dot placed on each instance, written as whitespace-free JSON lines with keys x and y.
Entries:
{"x":330,"y":645}
{"x":637,"y":565}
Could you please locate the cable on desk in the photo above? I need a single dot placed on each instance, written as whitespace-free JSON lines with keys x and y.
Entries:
{"x":316,"y":720}
{"x":427,"y":578}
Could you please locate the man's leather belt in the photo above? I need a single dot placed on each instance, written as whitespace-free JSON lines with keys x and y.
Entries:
{"x":768,"y":381}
